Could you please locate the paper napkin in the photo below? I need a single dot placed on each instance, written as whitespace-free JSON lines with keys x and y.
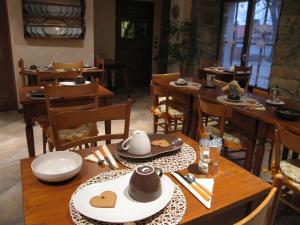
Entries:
{"x":93,"y":158}
{"x":208,"y":183}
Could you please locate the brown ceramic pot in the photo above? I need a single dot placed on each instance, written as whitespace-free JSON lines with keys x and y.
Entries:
{"x":145,"y":184}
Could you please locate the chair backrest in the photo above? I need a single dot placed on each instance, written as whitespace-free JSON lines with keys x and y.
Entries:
{"x":213,"y":108}
{"x":22,"y":71}
{"x":287,"y":139}
{"x":100,"y":63}
{"x":261,"y":92}
{"x":242,"y":78}
{"x":44,"y":77}
{"x":89,"y":92}
{"x":77,"y":65}
{"x":265,"y":213}
{"x":165,"y":76}
{"x":74,"y":118}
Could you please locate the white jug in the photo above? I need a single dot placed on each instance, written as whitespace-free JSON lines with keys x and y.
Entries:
{"x":137,"y":144}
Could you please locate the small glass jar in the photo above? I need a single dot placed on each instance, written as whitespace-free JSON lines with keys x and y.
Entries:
{"x":209,"y":152}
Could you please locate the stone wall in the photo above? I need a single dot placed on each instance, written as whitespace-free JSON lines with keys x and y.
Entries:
{"x":286,"y":60}
{"x":206,"y":14}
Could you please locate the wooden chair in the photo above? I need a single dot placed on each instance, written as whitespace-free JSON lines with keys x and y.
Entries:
{"x":165,"y":76}
{"x":100,"y":63}
{"x":234,"y":140}
{"x":22,"y":71}
{"x":90,"y":91}
{"x":77,"y":65}
{"x":244,"y":77}
{"x":53,"y":77}
{"x":291,"y":141}
{"x":265,"y":213}
{"x":70,"y":118}
{"x":167,"y":106}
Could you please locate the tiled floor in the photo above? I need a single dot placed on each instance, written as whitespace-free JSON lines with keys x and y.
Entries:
{"x":13,"y":148}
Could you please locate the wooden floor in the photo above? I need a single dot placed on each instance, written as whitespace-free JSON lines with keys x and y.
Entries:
{"x":13,"y":148}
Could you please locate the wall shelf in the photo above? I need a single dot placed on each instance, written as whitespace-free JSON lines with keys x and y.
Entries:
{"x":54,"y":20}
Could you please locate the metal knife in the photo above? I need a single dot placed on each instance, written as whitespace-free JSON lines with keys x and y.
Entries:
{"x":195,"y":187}
{"x":106,"y":158}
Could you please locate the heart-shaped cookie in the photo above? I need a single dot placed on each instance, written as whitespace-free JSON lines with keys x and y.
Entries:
{"x":161,"y":143}
{"x":107,"y":199}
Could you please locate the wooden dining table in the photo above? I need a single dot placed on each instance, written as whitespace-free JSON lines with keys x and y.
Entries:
{"x":235,"y":192}
{"x":221,"y":74}
{"x":33,"y":108}
{"x":258,"y":124}
{"x":110,"y":66}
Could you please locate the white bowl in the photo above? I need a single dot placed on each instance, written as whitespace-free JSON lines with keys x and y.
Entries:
{"x":181,"y":81}
{"x":56,"y":166}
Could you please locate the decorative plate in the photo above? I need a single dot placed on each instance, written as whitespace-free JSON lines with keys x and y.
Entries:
{"x":54,"y":10}
{"x":126,"y":208}
{"x":271,"y":102}
{"x":175,"y":145}
{"x":50,"y":29}
{"x":232,"y":100}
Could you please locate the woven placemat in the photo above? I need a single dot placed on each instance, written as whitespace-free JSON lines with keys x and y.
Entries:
{"x":168,"y":163}
{"x":245,"y":101}
{"x":170,"y":215}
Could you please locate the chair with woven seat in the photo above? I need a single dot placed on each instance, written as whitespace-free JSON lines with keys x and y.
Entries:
{"x":167,"y":106}
{"x":78,"y":66}
{"x":73,"y":117}
{"x":290,"y":168}
{"x":234,"y":140}
{"x":265,"y":213}
{"x":167,"y":77}
{"x":72,"y":133}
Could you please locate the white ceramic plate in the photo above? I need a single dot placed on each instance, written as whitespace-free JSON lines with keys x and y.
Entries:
{"x":56,"y":166}
{"x":72,"y":83}
{"x":271,"y":102}
{"x":126,"y":209}
{"x":232,"y":100}
{"x":53,"y":10}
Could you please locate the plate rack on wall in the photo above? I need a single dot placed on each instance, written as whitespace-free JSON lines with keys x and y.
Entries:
{"x":54,"y":19}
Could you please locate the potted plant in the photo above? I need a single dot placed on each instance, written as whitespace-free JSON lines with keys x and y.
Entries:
{"x":182,"y":46}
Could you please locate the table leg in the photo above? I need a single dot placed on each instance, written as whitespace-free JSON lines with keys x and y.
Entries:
{"x":109,"y":79}
{"x":188,"y":117}
{"x":29,"y":136}
{"x":260,"y":150}
{"x":125,"y":76}
{"x":107,"y":123}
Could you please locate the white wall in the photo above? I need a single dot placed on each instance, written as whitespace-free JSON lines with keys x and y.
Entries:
{"x":41,"y":51}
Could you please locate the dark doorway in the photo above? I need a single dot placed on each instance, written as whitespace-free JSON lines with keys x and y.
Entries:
{"x":134,"y":33}
{"x":8,"y":100}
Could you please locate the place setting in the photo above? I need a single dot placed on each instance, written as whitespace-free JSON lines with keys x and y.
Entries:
{"x":236,"y":96}
{"x":165,"y":151}
{"x":187,"y":83}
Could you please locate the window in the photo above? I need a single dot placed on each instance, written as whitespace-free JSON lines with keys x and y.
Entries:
{"x":250,"y":41}
{"x":133,"y":30}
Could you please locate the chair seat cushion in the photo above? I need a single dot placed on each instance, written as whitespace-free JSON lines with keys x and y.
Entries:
{"x":291,"y":170}
{"x":172,"y":112}
{"x":67,"y":135}
{"x":230,"y":141}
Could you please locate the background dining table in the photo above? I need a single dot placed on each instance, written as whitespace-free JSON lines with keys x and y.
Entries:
{"x":110,"y":66}
{"x":37,"y":107}
{"x":258,"y":124}
{"x":221,"y":74}
{"x":235,"y":192}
